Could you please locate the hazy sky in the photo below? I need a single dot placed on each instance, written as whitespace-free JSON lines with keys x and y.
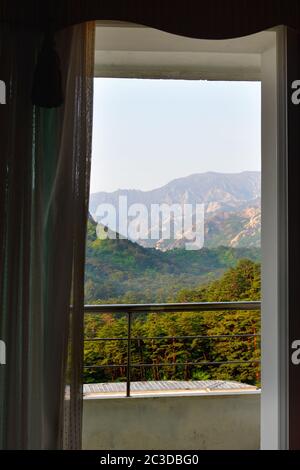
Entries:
{"x":148,"y":132}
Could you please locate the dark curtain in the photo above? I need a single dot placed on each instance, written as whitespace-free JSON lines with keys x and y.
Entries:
{"x":207,"y":19}
{"x":44,"y":168}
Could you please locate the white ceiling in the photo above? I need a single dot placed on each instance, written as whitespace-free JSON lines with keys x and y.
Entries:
{"x":124,"y":50}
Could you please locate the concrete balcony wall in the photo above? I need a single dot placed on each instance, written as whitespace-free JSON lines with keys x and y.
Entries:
{"x":186,"y":422}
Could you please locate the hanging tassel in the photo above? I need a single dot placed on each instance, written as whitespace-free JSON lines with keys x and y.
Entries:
{"x":47,"y":81}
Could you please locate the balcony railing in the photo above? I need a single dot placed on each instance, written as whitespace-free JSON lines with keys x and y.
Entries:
{"x":130,"y":309}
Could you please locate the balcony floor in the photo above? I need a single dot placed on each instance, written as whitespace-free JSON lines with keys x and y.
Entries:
{"x":166,"y":387}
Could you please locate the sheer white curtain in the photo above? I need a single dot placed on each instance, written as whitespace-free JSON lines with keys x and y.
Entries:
{"x":44,"y":171}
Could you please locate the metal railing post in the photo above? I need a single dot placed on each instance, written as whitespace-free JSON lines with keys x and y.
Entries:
{"x":128,"y":354}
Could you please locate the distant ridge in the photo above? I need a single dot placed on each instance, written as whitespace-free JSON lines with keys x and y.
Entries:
{"x":232,"y":206}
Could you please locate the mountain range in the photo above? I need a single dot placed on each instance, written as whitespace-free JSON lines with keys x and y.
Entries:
{"x":118,"y":270}
{"x":232,"y":213}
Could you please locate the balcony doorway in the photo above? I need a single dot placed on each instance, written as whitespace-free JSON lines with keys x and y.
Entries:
{"x":170,"y":314}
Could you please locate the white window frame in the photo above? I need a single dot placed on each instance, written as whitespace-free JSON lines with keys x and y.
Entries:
{"x":237,"y":59}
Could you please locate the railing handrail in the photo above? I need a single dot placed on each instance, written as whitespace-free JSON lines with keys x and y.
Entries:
{"x":166,"y":338}
{"x":172,"y":307}
{"x":130,"y":309}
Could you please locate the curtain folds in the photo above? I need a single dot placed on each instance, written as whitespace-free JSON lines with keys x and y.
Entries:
{"x":44,"y":169}
{"x":206,"y":19}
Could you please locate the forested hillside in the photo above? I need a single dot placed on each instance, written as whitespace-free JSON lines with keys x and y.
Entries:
{"x":120,"y":271}
{"x":241,"y":282}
